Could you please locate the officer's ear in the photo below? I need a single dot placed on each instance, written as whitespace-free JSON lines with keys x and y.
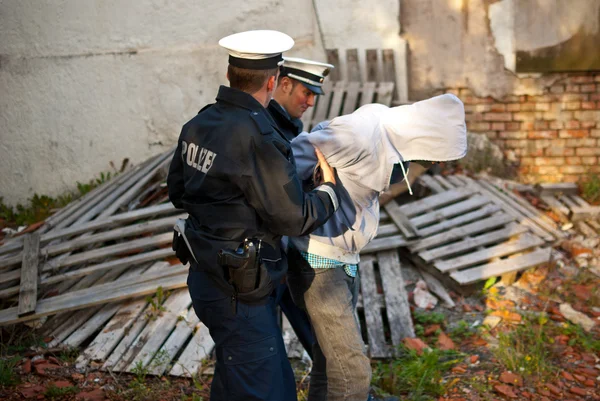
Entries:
{"x":272,"y":83}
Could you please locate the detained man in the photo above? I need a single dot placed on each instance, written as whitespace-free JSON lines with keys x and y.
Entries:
{"x":323,"y":276}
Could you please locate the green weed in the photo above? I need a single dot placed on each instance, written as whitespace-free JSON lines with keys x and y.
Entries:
{"x":461,"y":330}
{"x":155,"y":302}
{"x":53,"y":392}
{"x":417,"y":375}
{"x":427,"y":318}
{"x":7,"y":371}
{"x":590,"y":188}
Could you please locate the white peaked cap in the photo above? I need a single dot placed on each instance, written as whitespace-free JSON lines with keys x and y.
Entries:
{"x":311,"y":73}
{"x":257,"y":50}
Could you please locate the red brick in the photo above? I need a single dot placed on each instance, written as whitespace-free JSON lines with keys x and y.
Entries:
{"x":593,"y":115}
{"x":542,"y":106}
{"x":573,"y":169}
{"x":571,"y":105}
{"x":491,"y":134}
{"x":572,"y":88}
{"x":542,"y":134}
{"x":587,"y":152}
{"x":573,"y":97}
{"x":558,"y":114}
{"x":513,"y":134}
{"x":498,"y":107}
{"x":574,"y":124}
{"x":540,"y":125}
{"x":513,"y":126}
{"x":556,"y":124}
{"x":588,"y":105}
{"x":595,"y":133}
{"x":579,"y":391}
{"x":482,"y":108}
{"x":478,"y":126}
{"x":474,"y":117}
{"x":465,"y":92}
{"x":557,"y":89}
{"x":588,"y":88}
{"x":524,"y":116}
{"x":549,"y":161}
{"x":547,"y":170}
{"x":543,"y":98}
{"x":581,"y":79}
{"x":597,"y":78}
{"x":588,"y":124}
{"x":581,"y":133}
{"x":573,"y":160}
{"x":516,"y":143}
{"x":527,"y":161}
{"x":559,"y":151}
{"x":497,"y":117}
{"x":527,"y":125}
{"x":589,"y":161}
{"x":581,"y":143}
{"x":595,"y":97}
{"x":469,"y":108}
{"x":498,"y":126}
{"x":513,"y":107}
{"x":528,"y":107}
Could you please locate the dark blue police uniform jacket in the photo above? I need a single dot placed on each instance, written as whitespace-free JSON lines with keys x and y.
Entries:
{"x":290,"y":127}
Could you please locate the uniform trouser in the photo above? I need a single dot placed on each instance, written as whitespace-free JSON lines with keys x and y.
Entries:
{"x":341,"y":369}
{"x":251,"y":361}
{"x":297,"y":317}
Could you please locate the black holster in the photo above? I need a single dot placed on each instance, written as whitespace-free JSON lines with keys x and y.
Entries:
{"x":242,"y":265}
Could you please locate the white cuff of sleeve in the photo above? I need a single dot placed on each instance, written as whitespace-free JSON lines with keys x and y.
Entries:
{"x":331,"y":193}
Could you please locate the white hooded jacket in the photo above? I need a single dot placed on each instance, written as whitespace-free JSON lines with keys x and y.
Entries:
{"x":363,"y":148}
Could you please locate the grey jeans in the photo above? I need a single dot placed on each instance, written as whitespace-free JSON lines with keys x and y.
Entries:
{"x":341,"y":370}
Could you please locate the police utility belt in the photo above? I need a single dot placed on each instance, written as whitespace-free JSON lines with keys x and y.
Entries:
{"x":242,"y":265}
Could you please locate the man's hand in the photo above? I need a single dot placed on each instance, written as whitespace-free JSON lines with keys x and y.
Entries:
{"x":326,"y":170}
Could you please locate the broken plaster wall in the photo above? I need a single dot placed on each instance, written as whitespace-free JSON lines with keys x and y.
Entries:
{"x":472,"y":43}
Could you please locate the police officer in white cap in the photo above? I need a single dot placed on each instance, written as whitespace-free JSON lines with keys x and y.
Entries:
{"x":300,"y":82}
{"x":234,"y":173}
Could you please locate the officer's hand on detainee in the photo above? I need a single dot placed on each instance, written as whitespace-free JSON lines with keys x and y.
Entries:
{"x":327,"y":171}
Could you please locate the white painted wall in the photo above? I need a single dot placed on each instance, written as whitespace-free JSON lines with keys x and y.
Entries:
{"x":86,"y":82}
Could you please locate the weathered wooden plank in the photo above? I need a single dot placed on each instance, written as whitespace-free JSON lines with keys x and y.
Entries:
{"x":372,"y":304}
{"x":447,"y":212}
{"x":333,"y":57}
{"x":352,"y":65}
{"x":495,"y":197}
{"x":383,"y":244}
{"x":336,"y":102}
{"x":373,"y":72}
{"x":183,"y":330}
{"x":197,"y":350}
{"x":585,"y":229}
{"x":436,"y":201}
{"x":524,"y":242}
{"x":91,"y":325}
{"x":385,"y":230}
{"x":156,"y":332}
{"x":432,"y":184}
{"x":438,"y":289}
{"x":111,"y":250}
{"x":443,"y":182}
{"x":485,"y":211}
{"x":503,"y":266}
{"x":579,"y":200}
{"x":396,"y":298}
{"x":477,"y":227}
{"x":389,"y":70}
{"x":557,"y":188}
{"x":352,"y":90}
{"x":408,"y":229}
{"x":582,"y":213}
{"x":385,"y":92}
{"x":511,"y":230}
{"x":110,"y":292}
{"x":557,"y":207}
{"x":29,"y":274}
{"x":130,"y":335}
{"x":457,"y":182}
{"x":535,"y":218}
{"x":368,"y":92}
{"x":401,"y":52}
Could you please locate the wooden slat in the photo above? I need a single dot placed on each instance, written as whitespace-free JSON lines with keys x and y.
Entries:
{"x":176,"y":340}
{"x":333,"y":57}
{"x":443,"y":182}
{"x":336,"y":101}
{"x":368,"y":92}
{"x":504,"y":266}
{"x":579,"y":200}
{"x":373,"y":72}
{"x":466,"y":244}
{"x":408,"y":229}
{"x":156,"y":332}
{"x":91,"y":325}
{"x":557,"y":207}
{"x":119,"y":290}
{"x":385,"y":230}
{"x":352,"y":65}
{"x":198,"y":349}
{"x":29,"y":275}
{"x":455,"y":233}
{"x":485,"y":211}
{"x":396,"y":298}
{"x":389,"y":69}
{"x":582,"y":213}
{"x":372,"y":304}
{"x":457,"y":182}
{"x":438,"y":289}
{"x":447,"y":212}
{"x":557,"y":188}
{"x":432,"y":184}
{"x":352,"y":90}
{"x":436,"y":201}
{"x":524,"y":242}
{"x":383,"y":244}
{"x":385,"y":93}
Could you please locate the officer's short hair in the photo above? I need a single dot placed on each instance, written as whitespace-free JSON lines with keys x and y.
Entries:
{"x":248,"y":80}
{"x":281,"y":76}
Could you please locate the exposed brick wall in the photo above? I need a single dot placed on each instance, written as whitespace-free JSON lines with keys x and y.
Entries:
{"x":555,"y":135}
